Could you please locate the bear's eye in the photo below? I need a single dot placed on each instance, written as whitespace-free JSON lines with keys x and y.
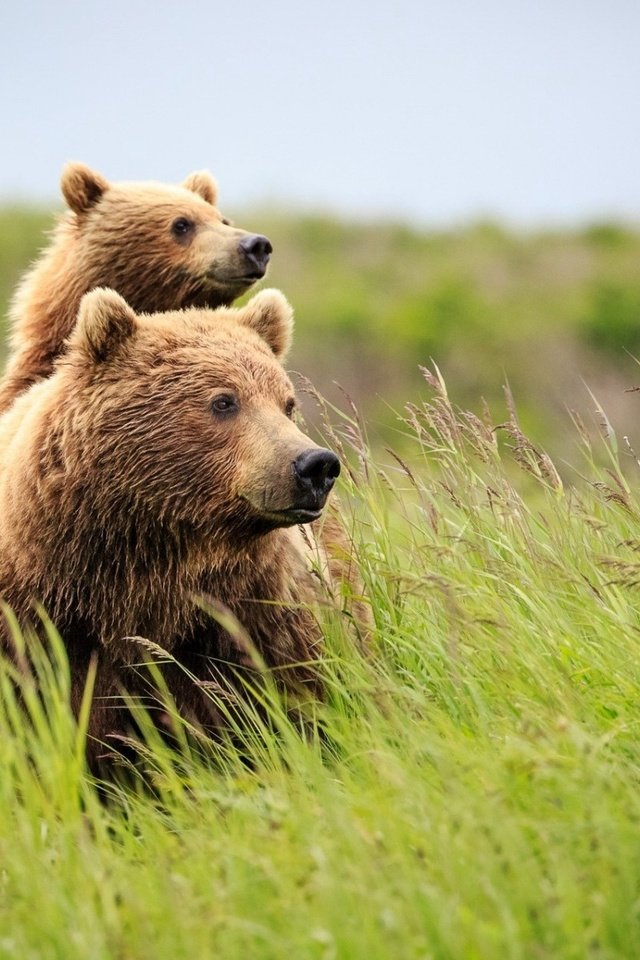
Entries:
{"x":224,"y":404}
{"x":290,"y":407}
{"x":182,"y":227}
{"x":226,"y":222}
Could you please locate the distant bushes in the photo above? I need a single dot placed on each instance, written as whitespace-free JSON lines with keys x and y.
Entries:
{"x":613,"y":320}
{"x":438,"y":319}
{"x":548,"y":310}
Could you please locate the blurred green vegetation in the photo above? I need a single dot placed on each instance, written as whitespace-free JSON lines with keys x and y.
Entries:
{"x":551,"y":311}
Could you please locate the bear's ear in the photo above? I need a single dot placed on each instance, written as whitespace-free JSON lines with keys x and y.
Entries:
{"x":105,"y":322}
{"x":82,"y":186}
{"x":270,"y":314}
{"x":202,"y":183}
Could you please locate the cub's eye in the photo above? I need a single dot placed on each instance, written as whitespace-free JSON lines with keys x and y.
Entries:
{"x":182,"y":227}
{"x":226,"y":222}
{"x":224,"y":404}
{"x":289,"y":407}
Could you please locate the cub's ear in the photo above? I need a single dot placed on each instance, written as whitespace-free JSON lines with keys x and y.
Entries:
{"x":105,"y":322}
{"x":82,"y":186}
{"x":270,"y":314}
{"x":202,"y":183}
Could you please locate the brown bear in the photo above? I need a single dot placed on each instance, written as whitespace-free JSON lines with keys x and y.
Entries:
{"x":157,"y":465}
{"x":160,"y":247}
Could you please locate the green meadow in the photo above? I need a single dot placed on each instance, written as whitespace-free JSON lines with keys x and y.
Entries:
{"x":470,"y":788}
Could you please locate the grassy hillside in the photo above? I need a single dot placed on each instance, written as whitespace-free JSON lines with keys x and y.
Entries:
{"x":473,"y":789}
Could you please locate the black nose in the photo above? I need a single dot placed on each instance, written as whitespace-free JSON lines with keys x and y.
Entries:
{"x":257,"y":250}
{"x":316,"y":471}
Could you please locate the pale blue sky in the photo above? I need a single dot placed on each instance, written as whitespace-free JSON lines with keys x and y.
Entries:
{"x":437,"y":111}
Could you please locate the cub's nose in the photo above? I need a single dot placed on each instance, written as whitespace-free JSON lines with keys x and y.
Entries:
{"x":316,"y":471}
{"x":257,"y":250}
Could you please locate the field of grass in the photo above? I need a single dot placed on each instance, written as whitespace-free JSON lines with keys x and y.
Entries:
{"x":470,"y":790}
{"x":472,"y":787}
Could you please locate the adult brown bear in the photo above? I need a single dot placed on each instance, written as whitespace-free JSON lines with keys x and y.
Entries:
{"x":158,"y":464}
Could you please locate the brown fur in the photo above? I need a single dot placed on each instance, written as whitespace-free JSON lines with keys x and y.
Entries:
{"x":119,"y":235}
{"x":124,"y":499}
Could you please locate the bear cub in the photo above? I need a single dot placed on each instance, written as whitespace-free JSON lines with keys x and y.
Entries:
{"x":160,"y":247}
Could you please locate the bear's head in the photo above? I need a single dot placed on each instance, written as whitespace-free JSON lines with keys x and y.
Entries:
{"x":187,"y":417}
{"x":160,"y":247}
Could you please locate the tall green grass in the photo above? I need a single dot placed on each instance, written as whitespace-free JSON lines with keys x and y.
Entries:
{"x":469,"y":789}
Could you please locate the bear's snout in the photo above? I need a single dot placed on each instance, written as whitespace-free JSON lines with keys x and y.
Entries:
{"x":256,"y":250}
{"x":294,"y":486}
{"x":315,"y":472}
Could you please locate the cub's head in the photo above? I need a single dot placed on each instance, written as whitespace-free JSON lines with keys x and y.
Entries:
{"x":161,"y":247}
{"x":189,"y":417}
